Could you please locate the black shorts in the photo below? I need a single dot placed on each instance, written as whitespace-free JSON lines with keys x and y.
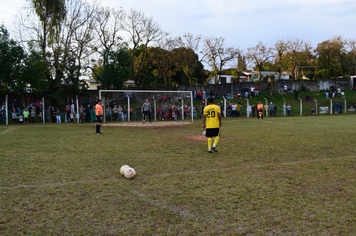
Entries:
{"x":212,"y":132}
{"x":98,"y":120}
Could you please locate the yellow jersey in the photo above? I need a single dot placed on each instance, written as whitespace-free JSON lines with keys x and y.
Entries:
{"x":212,"y":116}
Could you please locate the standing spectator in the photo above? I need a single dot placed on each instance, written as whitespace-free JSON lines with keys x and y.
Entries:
{"x":195,"y":95}
{"x":49,"y":114}
{"x":253,"y":109}
{"x":203,"y":94}
{"x":233,"y":110}
{"x":131,"y":117}
{"x":259,"y":110}
{"x":58,"y":116}
{"x":247,"y":91}
{"x":336,"y":107}
{"x":81,"y":114}
{"x":54,"y":114}
{"x":72,"y":110}
{"x":68,"y":113}
{"x":87,"y":113}
{"x":120,"y":113}
{"x":97,"y":99}
{"x":288,"y":110}
{"x":238,"y":109}
{"x":242,"y":92}
{"x":252,"y":90}
{"x":256,"y":91}
{"x":115,"y":113}
{"x":146,"y":110}
{"x":37,"y":107}
{"x":341,"y":107}
{"x":275,"y":110}
{"x":33,"y":115}
{"x":124,"y":113}
{"x":271,"y":107}
{"x":108,"y":113}
{"x":296,"y":94}
{"x":327,"y":93}
{"x":26,"y":114}
{"x":285,"y":88}
{"x":113,"y":102}
{"x":138,"y":112}
{"x":1,"y":116}
{"x":90,"y":103}
{"x":228,"y":109}
{"x":312,"y":110}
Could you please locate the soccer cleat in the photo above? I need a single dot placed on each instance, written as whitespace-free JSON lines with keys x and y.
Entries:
{"x":143,"y":121}
{"x":209,"y":151}
{"x":214,"y":148}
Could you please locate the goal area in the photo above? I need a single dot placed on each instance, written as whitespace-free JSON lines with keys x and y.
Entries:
{"x":165,"y":105}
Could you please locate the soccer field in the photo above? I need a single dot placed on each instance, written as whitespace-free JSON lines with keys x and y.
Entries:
{"x":279,"y":176}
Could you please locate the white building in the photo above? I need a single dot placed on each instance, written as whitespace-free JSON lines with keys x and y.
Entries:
{"x":249,"y":76}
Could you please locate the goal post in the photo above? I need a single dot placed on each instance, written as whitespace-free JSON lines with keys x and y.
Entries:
{"x":154,"y":93}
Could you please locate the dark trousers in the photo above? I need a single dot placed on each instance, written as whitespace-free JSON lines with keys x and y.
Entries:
{"x":147,"y":113}
{"x":87,"y":117}
{"x":258,"y":115}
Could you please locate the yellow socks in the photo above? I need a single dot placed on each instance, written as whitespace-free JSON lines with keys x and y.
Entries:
{"x":210,"y":140}
{"x":216,"y":141}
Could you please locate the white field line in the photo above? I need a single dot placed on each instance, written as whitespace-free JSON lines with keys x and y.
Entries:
{"x":172,"y":174}
{"x":7,"y":130}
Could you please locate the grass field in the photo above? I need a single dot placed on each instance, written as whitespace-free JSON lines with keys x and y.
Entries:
{"x":280,"y":176}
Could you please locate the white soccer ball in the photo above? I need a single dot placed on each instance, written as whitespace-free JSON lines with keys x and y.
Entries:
{"x":204,"y":133}
{"x":123,"y":168}
{"x":130,"y":173}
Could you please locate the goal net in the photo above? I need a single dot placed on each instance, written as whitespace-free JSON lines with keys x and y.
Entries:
{"x":126,"y":105}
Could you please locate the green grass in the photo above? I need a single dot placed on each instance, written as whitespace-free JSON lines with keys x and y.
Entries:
{"x":280,"y":176}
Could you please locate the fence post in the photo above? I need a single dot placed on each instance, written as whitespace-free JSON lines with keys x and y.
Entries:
{"x":316,"y":106}
{"x":248,"y":104}
{"x":224,"y":107}
{"x":266,"y":108}
{"x":345,"y":106}
{"x":301,"y":107}
{"x":331,"y":106}
{"x":284,"y":107}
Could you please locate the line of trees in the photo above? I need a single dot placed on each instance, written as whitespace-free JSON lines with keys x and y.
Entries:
{"x":59,"y":41}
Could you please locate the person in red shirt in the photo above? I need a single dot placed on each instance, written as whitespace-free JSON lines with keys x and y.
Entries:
{"x":99,"y":116}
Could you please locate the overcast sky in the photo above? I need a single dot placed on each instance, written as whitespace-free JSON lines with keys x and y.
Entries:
{"x":241,"y":22}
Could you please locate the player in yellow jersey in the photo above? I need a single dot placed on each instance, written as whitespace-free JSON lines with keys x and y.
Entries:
{"x":212,"y":116}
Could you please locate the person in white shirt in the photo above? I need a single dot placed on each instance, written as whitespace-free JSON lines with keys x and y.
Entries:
{"x":233,"y":110}
{"x":249,"y":109}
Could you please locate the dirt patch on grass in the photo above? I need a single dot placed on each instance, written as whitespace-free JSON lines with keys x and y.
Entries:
{"x":148,"y":124}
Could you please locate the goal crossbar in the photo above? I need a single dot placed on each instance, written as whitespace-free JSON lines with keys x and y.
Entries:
{"x":153,"y":91}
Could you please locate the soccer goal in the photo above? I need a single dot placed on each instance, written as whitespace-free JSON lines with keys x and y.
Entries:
{"x":165,"y":105}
